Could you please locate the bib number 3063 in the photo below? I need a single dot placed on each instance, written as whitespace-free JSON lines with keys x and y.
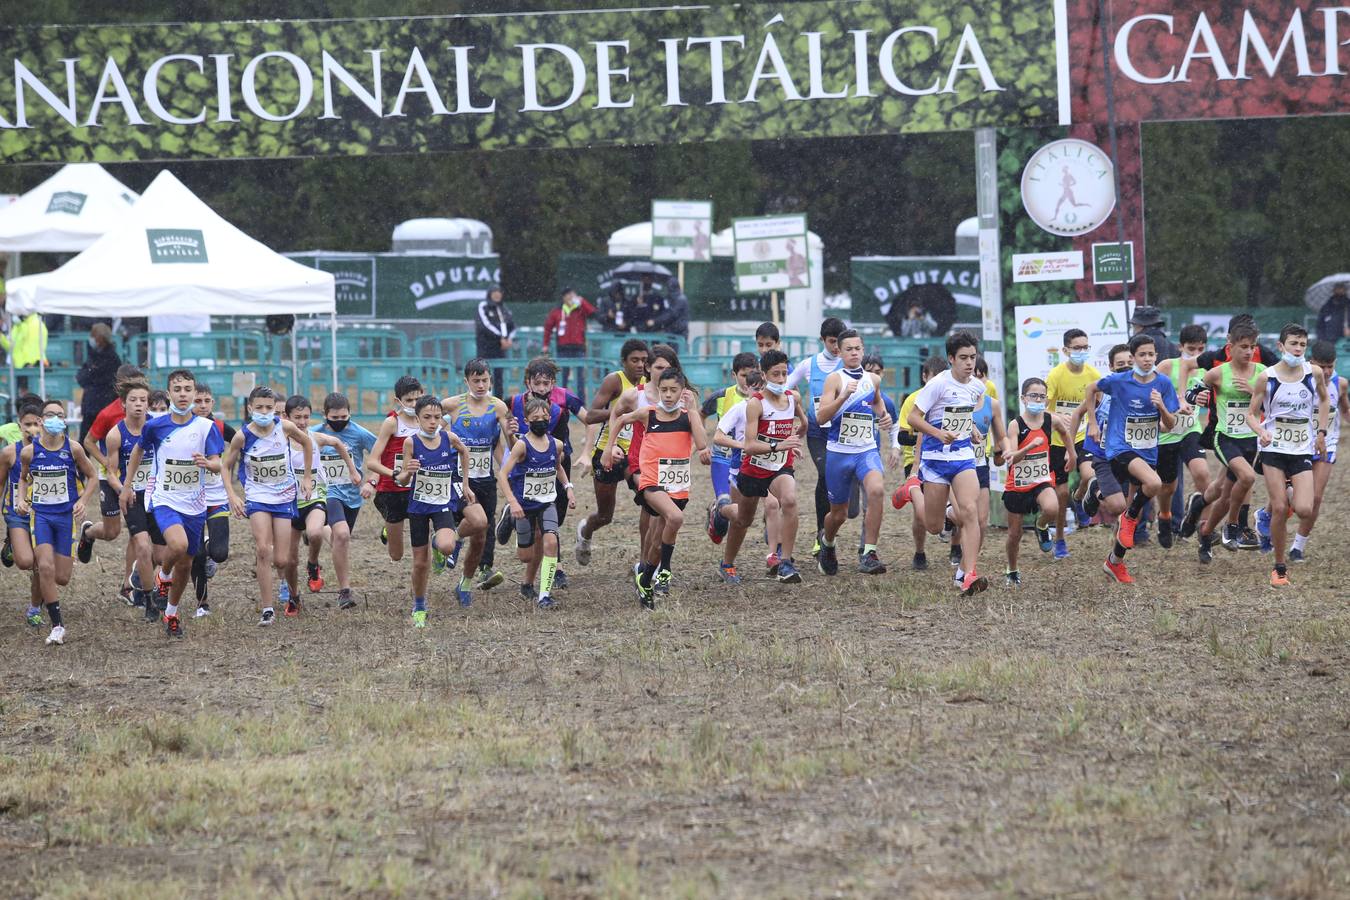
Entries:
{"x":182,"y":476}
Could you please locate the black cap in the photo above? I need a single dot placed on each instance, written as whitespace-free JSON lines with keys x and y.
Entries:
{"x":1146,"y":316}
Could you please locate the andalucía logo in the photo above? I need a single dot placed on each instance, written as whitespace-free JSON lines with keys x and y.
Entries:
{"x":176,"y":245}
{"x":1068,"y":187}
{"x":1031,"y":327}
{"x":69,"y":202}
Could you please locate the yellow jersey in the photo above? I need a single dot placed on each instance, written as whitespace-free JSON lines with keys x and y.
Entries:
{"x":1065,"y":390}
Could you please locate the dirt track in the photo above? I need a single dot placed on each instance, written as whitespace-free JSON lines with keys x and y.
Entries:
{"x":1189,"y":736}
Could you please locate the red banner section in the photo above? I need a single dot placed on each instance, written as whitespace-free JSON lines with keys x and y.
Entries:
{"x":1130,"y":205}
{"x":1209,"y":59}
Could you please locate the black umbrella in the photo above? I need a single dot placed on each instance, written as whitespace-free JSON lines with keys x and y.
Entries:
{"x":933,"y":299}
{"x":632,"y":271}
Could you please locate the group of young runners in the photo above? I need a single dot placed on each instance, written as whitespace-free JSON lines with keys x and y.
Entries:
{"x":468,"y":471}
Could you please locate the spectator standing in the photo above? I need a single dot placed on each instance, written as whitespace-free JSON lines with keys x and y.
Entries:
{"x":1149,"y":320}
{"x":641,"y":312}
{"x":1333,"y":319}
{"x":495,"y":332}
{"x":98,"y":375}
{"x":674,"y":318}
{"x":918,"y":323}
{"x":568,"y":321}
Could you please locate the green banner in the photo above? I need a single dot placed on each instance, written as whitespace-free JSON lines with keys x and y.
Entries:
{"x":205,"y":90}
{"x":947,"y":288}
{"x":406,"y":286}
{"x":709,"y":286}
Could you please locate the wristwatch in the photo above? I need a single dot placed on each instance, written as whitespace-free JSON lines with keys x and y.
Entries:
{"x":568,"y":486}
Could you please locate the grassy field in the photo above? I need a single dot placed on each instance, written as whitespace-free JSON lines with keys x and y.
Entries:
{"x":1187,"y":737}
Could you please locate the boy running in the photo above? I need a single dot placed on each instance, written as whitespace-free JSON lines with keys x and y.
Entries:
{"x":344,"y":497}
{"x":1030,"y":488}
{"x":216,"y":544}
{"x":912,"y":489}
{"x":1323,"y":355}
{"x":18,"y":529}
{"x":315,"y":517}
{"x":480,"y":421}
{"x":814,"y":370}
{"x":715,"y":407}
{"x":1181,"y":444}
{"x":529,"y":479}
{"x":1066,"y":385}
{"x":730,"y":437}
{"x":385,"y":460}
{"x":121,"y":440}
{"x":609,"y":474}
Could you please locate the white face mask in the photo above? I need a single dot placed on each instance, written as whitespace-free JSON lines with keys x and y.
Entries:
{"x":671,"y":408}
{"x":775,"y":388}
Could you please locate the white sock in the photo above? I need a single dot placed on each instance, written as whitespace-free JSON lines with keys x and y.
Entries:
{"x":171,"y":610}
{"x":1300,"y":541}
{"x":960,"y":576}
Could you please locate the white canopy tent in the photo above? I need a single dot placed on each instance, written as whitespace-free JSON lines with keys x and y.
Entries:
{"x":66,"y":213}
{"x":803,"y":308}
{"x":171,"y":254}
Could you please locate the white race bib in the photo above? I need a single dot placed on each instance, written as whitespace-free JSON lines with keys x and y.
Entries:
{"x":50,"y":487}
{"x":334,"y":470}
{"x":273,"y":469}
{"x":1235,"y":422}
{"x":672,"y":475}
{"x":770,"y":462}
{"x":1290,"y":435}
{"x":857,"y":430}
{"x":143,"y":474}
{"x":398,"y":463}
{"x":979,"y":448}
{"x":626,"y":432}
{"x":959,"y":420}
{"x":182,"y":476}
{"x":541,"y":487}
{"x":1141,"y":432}
{"x":433,"y":488}
{"x":1031,"y":470}
{"x":480,"y":462}
{"x":1184,"y":423}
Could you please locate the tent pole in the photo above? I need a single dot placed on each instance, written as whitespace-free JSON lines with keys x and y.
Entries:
{"x":295,"y":360}
{"x":332,"y":320}
{"x":42,"y":360}
{"x":14,"y":379}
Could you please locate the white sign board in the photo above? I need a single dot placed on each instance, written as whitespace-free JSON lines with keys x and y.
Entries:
{"x":682,"y":230}
{"x":1040,"y":334}
{"x":1066,"y":266}
{"x":991,"y":286}
{"x":771,"y":253}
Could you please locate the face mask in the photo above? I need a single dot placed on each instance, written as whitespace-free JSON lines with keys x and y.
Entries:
{"x":430,"y":434}
{"x":775,"y":388}
{"x":671,"y":408}
{"x":1035,"y":407}
{"x":539,"y":427}
{"x":262,"y":420}
{"x":337,"y":424}
{"x":1290,"y":359}
{"x":477,"y":394}
{"x":1080,"y":357}
{"x":856,"y":373}
{"x":409,"y":412}
{"x":543,"y":396}
{"x":179,"y":411}
{"x":1190,"y":356}
{"x":1142,"y":373}
{"x":828,"y":355}
{"x":54,"y":424}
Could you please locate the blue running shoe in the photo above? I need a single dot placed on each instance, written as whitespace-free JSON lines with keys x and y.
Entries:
{"x":1043,"y":537}
{"x":1296,"y":555}
{"x":1061,"y":550}
{"x":452,"y":558}
{"x":728,"y":573}
{"x":788,"y":574}
{"x":283,"y":592}
{"x":1263,"y":530}
{"x":34,"y":616}
{"x":1080,"y":514}
{"x":136,"y":580}
{"x":465,"y":598}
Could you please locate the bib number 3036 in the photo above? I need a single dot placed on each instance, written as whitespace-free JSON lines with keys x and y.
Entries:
{"x":1290,"y":435}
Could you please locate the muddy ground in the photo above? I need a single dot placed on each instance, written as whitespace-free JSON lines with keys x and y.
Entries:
{"x":1189,"y":736}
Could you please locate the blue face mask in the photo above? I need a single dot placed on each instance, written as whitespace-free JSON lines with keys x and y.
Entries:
{"x":262,"y":420}
{"x":1035,"y":407}
{"x":1142,"y":373}
{"x":54,"y":424}
{"x":177,"y":411}
{"x":774,"y":388}
{"x":1080,"y":357}
{"x":1290,"y":359}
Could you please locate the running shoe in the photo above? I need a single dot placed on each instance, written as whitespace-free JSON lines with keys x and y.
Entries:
{"x":1296,"y":555}
{"x":1080,"y":514}
{"x":7,"y":554}
{"x":1091,"y":502}
{"x":973,"y":584}
{"x":452,"y":558}
{"x":546,"y":602}
{"x":33,"y":616}
{"x":721,"y":524}
{"x":1043,"y":538}
{"x":1125,"y":530}
{"x":203,"y":610}
{"x":211,"y":567}
{"x":419,"y":618}
{"x":135,"y":579}
{"x":1247,"y":540}
{"x":505,"y":524}
{"x":646,"y":595}
{"x":489,"y":579}
{"x":292,"y":609}
{"x":1206,"y":550}
{"x":1195,"y":505}
{"x":920,"y":563}
{"x":125,"y":593}
{"x":463,"y":596}
{"x":1278,"y":578}
{"x":315,"y":581}
{"x":815,"y":548}
{"x":1165,"y":533}
{"x":151,"y":609}
{"x":583,"y":547}
{"x":268,"y":617}
{"x":172,"y":627}
{"x":85,"y":551}
{"x":345,"y":599}
{"x":1141,"y":534}
{"x":828,"y":561}
{"x":529,"y":593}
{"x":384,"y":535}
{"x":1263,"y":530}
{"x":900,"y":499}
{"x":1117,"y":571}
{"x":954,"y":556}
{"x":58,"y":633}
{"x":712,"y":524}
{"x":661,"y":582}
{"x":788,"y":574}
{"x":1061,"y":550}
{"x":728,"y":574}
{"x":283,"y":591}
{"x":559,"y":579}
{"x":771,"y":562}
{"x":162,"y":586}
{"x":1230,"y":538}
{"x":1012,"y":579}
{"x":437,"y":560}
{"x":871,"y":564}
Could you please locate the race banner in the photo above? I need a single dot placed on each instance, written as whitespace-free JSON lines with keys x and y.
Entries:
{"x":208,"y":90}
{"x":946,"y":287}
{"x":710,"y":287}
{"x":406,"y":286}
{"x":682,"y":230}
{"x":770,"y":253}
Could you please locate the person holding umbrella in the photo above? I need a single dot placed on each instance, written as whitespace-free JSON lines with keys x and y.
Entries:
{"x":1333,"y":319}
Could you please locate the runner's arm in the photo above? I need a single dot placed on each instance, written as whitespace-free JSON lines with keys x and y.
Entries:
{"x":114,"y":441}
{"x":373,"y":464}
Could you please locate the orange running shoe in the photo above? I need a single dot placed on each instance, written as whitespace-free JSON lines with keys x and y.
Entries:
{"x":1277,"y":579}
{"x":901,"y":496}
{"x":1118,"y":570}
{"x":1125,"y":532}
{"x":973,"y":584}
{"x":292,"y":609}
{"x":315,"y":574}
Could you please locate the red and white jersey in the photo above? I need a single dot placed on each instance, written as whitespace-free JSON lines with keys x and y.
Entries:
{"x":778,"y":424}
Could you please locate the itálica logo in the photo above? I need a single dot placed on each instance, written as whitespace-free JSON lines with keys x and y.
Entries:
{"x":1032,"y":327}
